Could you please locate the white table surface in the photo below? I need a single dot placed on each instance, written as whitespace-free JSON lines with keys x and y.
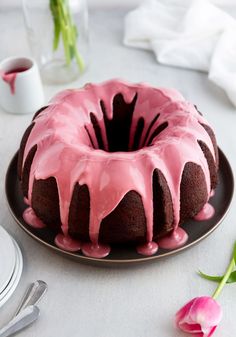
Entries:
{"x":88,"y":301}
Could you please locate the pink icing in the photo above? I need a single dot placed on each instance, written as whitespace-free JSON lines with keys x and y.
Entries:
{"x":67,"y":243}
{"x":26,"y":201}
{"x":31,"y":218}
{"x":64,"y":150}
{"x":95,"y":250}
{"x":148,"y":249}
{"x":212,"y":193}
{"x":176,"y":239}
{"x":206,"y":213}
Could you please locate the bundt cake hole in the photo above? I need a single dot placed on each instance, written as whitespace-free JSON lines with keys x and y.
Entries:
{"x":117,"y":129}
{"x":90,"y":138}
{"x":97,"y":131}
{"x":156,"y":132}
{"x":150,"y":128}
{"x":138,"y":134}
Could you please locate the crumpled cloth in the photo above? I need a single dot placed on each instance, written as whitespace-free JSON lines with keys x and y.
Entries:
{"x":190,"y":34}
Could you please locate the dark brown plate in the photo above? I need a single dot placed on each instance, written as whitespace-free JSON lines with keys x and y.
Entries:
{"x":197,"y":230}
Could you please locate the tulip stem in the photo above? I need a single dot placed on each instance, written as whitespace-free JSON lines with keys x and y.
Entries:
{"x":65,"y":28}
{"x":229,"y":270}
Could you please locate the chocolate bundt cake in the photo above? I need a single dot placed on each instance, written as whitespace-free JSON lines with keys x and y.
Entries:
{"x":117,"y":163}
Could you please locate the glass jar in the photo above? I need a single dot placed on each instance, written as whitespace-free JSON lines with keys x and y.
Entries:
{"x":58,"y":36}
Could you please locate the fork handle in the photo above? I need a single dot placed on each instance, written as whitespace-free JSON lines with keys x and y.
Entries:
{"x":22,"y":320}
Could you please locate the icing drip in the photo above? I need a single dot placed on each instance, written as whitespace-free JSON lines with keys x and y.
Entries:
{"x":10,"y":77}
{"x":206,"y":213}
{"x":68,"y":149}
{"x":31,"y":218}
{"x":67,"y":243}
{"x":26,"y":201}
{"x":212,"y":193}
{"x":176,"y":239}
{"x":148,"y":249}
{"x":95,"y":250}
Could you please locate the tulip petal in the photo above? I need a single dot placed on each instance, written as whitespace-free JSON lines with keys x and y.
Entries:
{"x":181,"y":314}
{"x":192,"y":328}
{"x":205,"y":311}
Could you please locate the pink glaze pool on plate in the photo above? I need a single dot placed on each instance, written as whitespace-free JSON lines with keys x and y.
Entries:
{"x":67,"y":243}
{"x":31,"y":218}
{"x":95,"y":250}
{"x":206,"y":213}
{"x":176,"y":239}
{"x":148,"y":249}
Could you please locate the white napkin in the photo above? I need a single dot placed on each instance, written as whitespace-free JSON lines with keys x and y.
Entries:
{"x":192,"y":34}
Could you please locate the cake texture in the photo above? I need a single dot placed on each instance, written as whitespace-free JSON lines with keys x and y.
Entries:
{"x":117,"y":163}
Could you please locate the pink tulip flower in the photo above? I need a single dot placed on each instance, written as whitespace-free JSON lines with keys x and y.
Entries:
{"x":199,"y":317}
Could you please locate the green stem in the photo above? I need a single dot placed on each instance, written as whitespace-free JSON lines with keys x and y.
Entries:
{"x":64,"y":26}
{"x":65,"y":34}
{"x":224,"y":279}
{"x":79,"y":60}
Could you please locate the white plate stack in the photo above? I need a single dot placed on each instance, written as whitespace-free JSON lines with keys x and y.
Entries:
{"x":11,"y":265}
